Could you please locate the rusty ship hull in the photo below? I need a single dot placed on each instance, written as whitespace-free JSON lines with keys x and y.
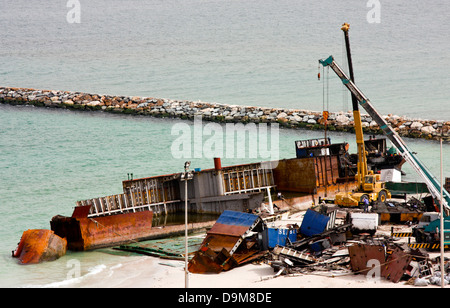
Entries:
{"x":118,"y":219}
{"x":38,"y":245}
{"x":86,"y":233}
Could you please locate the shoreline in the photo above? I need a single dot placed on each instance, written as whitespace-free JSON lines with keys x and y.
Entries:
{"x":216,"y":112}
{"x":139,"y":271}
{"x":150,"y":272}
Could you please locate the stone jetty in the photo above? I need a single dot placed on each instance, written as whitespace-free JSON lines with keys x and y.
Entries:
{"x":160,"y":107}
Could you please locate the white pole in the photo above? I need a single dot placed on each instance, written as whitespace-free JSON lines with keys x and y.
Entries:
{"x":442,"y":222}
{"x":270,"y":201}
{"x":186,"y":274}
{"x":185,"y":177}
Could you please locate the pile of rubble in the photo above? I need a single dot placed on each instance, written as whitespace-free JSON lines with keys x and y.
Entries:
{"x":341,"y":249}
{"x":337,"y":243}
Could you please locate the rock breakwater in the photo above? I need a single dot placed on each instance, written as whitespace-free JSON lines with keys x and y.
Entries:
{"x":160,"y":107}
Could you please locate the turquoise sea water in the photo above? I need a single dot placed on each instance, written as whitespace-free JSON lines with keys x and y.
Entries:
{"x":237,"y":52}
{"x":262,"y":53}
{"x":53,"y":158}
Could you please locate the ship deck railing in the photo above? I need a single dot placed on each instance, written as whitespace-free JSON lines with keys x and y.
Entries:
{"x":122,"y":203}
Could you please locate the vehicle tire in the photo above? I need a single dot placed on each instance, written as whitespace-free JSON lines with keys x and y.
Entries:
{"x":382,"y":196}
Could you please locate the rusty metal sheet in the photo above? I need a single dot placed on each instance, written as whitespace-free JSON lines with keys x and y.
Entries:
{"x":223,"y":240}
{"x":392,"y":267}
{"x":360,"y":254}
{"x":81,"y":211}
{"x":103,"y":231}
{"x":227,"y":230}
{"x":296,"y":175}
{"x":205,"y":261}
{"x":233,"y":223}
{"x":217,"y":241}
{"x":396,"y":265}
{"x":327,"y":170}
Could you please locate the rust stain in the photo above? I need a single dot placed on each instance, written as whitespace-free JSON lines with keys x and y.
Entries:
{"x":226,"y":244}
{"x":38,"y":245}
{"x":85,"y":233}
{"x":360,"y":254}
{"x":396,"y":265}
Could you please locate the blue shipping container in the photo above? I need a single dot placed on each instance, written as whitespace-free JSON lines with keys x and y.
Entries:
{"x":278,"y":236}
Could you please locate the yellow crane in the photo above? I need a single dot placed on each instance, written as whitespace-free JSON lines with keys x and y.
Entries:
{"x":369,"y":186}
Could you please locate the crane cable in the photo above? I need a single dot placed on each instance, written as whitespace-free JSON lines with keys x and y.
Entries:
{"x":323,"y":87}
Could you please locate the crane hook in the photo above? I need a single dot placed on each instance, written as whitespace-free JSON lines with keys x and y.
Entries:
{"x":318,"y":74}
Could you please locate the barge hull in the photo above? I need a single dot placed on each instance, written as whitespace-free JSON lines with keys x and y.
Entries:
{"x":84,"y":233}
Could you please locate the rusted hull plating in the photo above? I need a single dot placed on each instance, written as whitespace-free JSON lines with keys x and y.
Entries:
{"x":362,"y":257}
{"x":39,"y":245}
{"x":85,"y":233}
{"x":391,"y":264}
{"x":228,"y":243}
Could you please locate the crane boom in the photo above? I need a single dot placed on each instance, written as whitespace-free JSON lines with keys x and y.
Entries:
{"x":362,"y":155}
{"x":432,"y":183}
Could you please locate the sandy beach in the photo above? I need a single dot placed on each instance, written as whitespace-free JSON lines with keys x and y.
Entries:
{"x":152,"y":272}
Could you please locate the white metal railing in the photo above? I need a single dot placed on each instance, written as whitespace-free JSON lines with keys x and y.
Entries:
{"x":247,"y":180}
{"x":122,"y":203}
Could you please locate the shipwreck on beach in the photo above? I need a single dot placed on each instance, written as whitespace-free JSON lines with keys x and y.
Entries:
{"x":324,"y":181}
{"x":319,"y":170}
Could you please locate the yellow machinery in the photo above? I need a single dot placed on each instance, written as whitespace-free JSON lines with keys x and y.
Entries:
{"x":369,"y":185}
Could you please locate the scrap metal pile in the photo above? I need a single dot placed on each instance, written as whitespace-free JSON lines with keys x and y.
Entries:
{"x":233,"y":240}
{"x":334,"y":243}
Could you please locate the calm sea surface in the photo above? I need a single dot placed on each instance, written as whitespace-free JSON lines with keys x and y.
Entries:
{"x":261,"y":53}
